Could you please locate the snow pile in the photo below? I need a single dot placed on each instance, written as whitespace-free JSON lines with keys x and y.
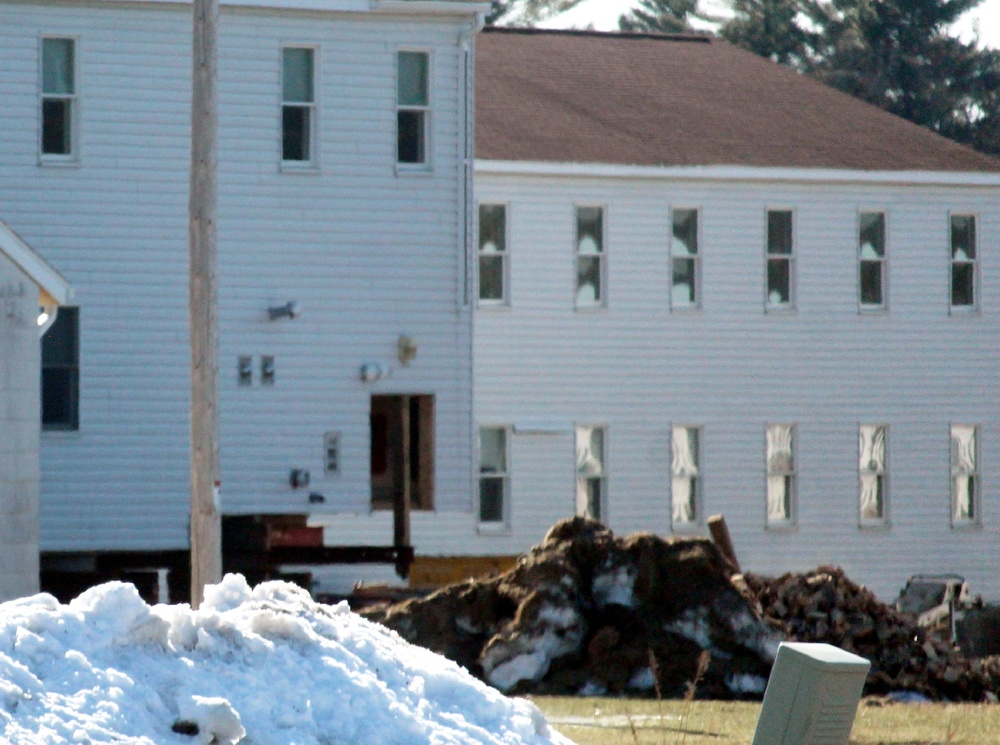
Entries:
{"x":266,"y":666}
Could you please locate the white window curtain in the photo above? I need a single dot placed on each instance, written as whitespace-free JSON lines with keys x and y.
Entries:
{"x":963,"y":473}
{"x":589,"y":470}
{"x":780,"y":470}
{"x":684,"y":469}
{"x":871,"y":467}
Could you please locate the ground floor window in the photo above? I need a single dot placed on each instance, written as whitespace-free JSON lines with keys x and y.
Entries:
{"x":686,"y":476}
{"x":780,"y":474}
{"x":964,"y":474}
{"x":590,"y":472}
{"x":493,"y":472}
{"x":872,"y":473}
{"x":61,"y":372}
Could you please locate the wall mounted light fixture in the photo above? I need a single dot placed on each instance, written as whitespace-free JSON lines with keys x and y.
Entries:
{"x":406,"y":349}
{"x":372,"y":371}
{"x":289,"y":310}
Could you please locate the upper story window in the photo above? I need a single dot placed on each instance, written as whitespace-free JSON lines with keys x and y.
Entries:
{"x":590,"y":472}
{"x":780,"y":259}
{"x":685,"y":469}
{"x":685,"y":260}
{"x":871,"y":260}
{"x":61,"y":372}
{"x":780,"y":475}
{"x":964,"y":475}
{"x":492,"y":254}
{"x":412,"y":107}
{"x":589,"y":256}
{"x":298,"y":105}
{"x":493,"y":476}
{"x":872,"y":473}
{"x":59,"y":99}
{"x":963,"y":261}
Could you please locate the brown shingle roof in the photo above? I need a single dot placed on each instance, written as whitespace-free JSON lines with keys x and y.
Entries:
{"x":637,"y":99}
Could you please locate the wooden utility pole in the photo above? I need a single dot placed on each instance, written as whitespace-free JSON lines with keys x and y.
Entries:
{"x":206,"y":549}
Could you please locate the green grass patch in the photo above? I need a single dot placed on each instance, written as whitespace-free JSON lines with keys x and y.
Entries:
{"x":613,"y":721}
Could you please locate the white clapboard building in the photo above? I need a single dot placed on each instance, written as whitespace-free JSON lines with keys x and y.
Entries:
{"x":344,"y":231}
{"x":710,"y":285}
{"x":31,"y":292}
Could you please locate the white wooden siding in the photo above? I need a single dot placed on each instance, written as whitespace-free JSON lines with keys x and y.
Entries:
{"x":368,"y":255}
{"x":732,"y":368}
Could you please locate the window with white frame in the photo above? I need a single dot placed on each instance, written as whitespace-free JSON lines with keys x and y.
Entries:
{"x":589,"y":256}
{"x":963,"y":261}
{"x":590,"y":471}
{"x":685,"y":264}
{"x":60,"y":385}
{"x":59,"y":98}
{"x":298,"y":105}
{"x":780,"y":259}
{"x":871,"y":260}
{"x":412,"y":107}
{"x":493,"y":475}
{"x":492,"y":254}
{"x":964,"y":474}
{"x":780,"y":474}
{"x":872,"y":473}
{"x":685,"y":469}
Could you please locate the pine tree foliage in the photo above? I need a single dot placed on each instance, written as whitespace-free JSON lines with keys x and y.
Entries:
{"x":769,"y":28}
{"x":661,"y":16}
{"x":525,"y":12}
{"x":895,"y":54}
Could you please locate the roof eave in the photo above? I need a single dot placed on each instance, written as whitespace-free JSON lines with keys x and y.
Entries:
{"x":43,"y":274}
{"x":739,"y":173}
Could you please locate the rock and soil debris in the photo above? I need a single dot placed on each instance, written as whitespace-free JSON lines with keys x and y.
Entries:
{"x":825,"y":606}
{"x":588,"y":612}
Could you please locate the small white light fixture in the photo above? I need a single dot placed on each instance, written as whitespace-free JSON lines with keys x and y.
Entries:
{"x":46,"y":317}
{"x":372,"y":371}
{"x":289,"y":310}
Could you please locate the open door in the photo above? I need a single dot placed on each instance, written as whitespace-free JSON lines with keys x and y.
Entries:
{"x":402,"y":451}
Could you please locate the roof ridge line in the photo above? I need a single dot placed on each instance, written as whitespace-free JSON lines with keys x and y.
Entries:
{"x":697,"y":37}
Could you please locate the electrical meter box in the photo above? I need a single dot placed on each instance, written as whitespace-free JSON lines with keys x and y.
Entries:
{"x":812,"y":696}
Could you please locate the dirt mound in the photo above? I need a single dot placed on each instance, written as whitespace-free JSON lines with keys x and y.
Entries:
{"x":589,"y":612}
{"x":825,"y":606}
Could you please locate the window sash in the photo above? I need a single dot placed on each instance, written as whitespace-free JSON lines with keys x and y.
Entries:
{"x":780,"y":258}
{"x":413,"y":84}
{"x":871,"y":259}
{"x":493,"y":474}
{"x":492,"y":253}
{"x":589,"y":256}
{"x":58,"y":66}
{"x":685,"y":264}
{"x":964,"y":474}
{"x":57,"y":113}
{"x":963,"y":261}
{"x":60,"y":372}
{"x":590,"y":471}
{"x":298,"y":104}
{"x":872,"y":451}
{"x":412,"y":107}
{"x":780,"y":463}
{"x":685,"y":475}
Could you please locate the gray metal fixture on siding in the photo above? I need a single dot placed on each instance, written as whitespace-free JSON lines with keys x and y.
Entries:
{"x":289,"y":310}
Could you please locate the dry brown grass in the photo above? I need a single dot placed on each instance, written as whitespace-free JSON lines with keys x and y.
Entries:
{"x":602,"y":721}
